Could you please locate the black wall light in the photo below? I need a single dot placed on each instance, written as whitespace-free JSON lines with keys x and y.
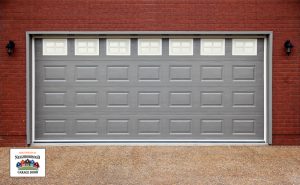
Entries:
{"x":10,"y":46}
{"x":288,"y":47}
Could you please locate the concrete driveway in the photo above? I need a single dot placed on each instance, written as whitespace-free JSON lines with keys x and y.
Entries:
{"x":164,"y":165}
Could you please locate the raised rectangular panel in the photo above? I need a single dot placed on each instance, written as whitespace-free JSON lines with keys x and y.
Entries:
{"x":212,"y":47}
{"x":55,"y":47}
{"x":117,"y":99}
{"x":244,"y":46}
{"x":117,"y":126}
{"x":180,"y":99}
{"x":86,"y":73}
{"x":149,"y":47}
{"x":180,"y":73}
{"x":117,"y":73}
{"x":211,"y":99}
{"x":55,"y":73}
{"x":243,"y":127}
{"x":211,"y":126}
{"x":181,"y":47}
{"x":148,"y":99}
{"x":86,"y":99}
{"x":117,"y":46}
{"x":86,"y":46}
{"x":211,"y":73}
{"x":181,"y":126}
{"x":149,"y":73}
{"x":243,"y":72}
{"x":86,"y":127}
{"x":149,"y":126}
{"x":55,"y":127}
{"x":55,"y":99}
{"x":243,"y":99}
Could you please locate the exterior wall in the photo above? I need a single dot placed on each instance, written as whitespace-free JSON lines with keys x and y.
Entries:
{"x":280,"y":16}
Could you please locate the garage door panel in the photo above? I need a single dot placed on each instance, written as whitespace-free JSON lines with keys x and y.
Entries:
{"x":249,"y":74}
{"x":170,"y":99}
{"x":155,"y":127}
{"x":149,"y":97}
{"x":147,"y":60}
{"x":153,"y":85}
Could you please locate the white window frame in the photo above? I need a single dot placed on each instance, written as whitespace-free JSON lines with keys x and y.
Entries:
{"x":202,"y":51}
{"x":149,"y":40}
{"x":118,"y":54}
{"x":77,"y":41}
{"x":191,"y":53}
{"x":234,"y":52}
{"x":65,"y":41}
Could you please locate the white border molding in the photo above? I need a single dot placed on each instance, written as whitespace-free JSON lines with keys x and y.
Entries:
{"x":33,"y":89}
{"x":267,"y":84}
{"x":265,"y":91}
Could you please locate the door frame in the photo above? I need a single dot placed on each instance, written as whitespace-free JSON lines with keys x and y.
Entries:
{"x":30,"y":67}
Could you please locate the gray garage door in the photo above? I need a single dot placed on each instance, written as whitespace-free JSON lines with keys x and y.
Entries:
{"x":136,"y":97}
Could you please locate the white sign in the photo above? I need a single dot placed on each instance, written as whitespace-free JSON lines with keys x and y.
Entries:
{"x":27,"y":163}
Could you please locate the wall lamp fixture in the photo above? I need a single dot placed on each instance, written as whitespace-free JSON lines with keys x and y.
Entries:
{"x":288,"y":47}
{"x":10,"y":46}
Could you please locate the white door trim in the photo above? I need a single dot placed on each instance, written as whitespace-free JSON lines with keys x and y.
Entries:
{"x":267,"y":122}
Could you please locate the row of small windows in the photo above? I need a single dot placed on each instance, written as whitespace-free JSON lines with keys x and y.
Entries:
{"x":150,"y":47}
